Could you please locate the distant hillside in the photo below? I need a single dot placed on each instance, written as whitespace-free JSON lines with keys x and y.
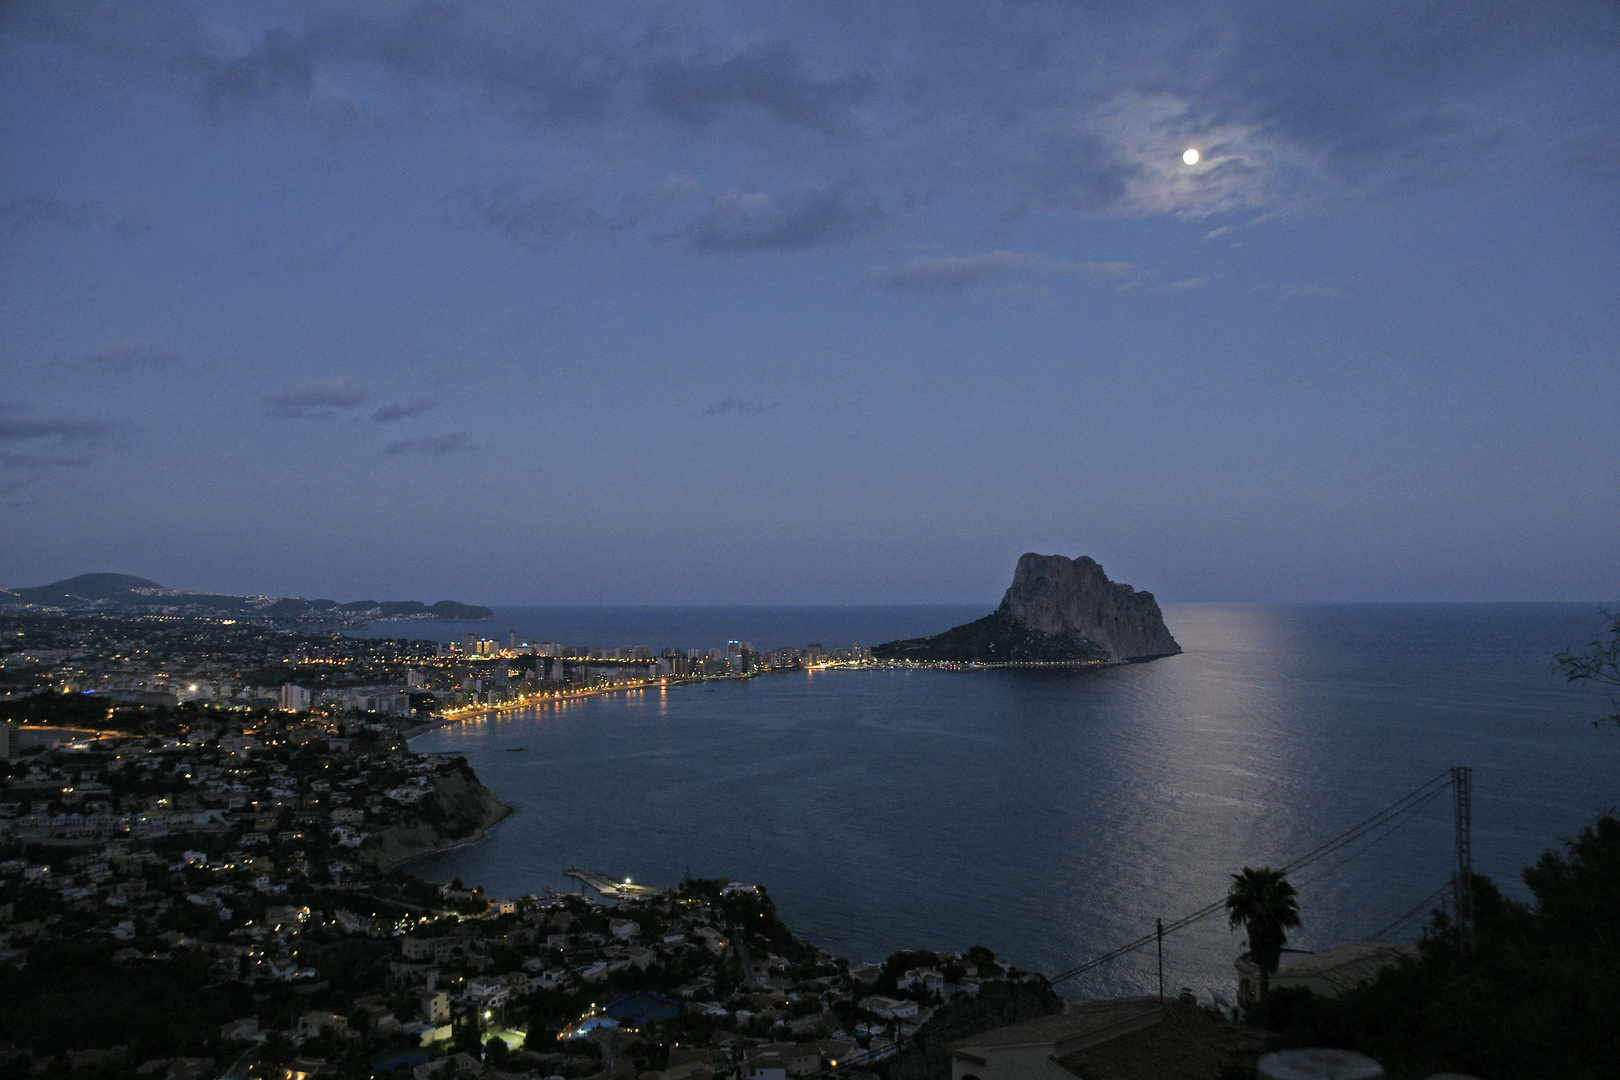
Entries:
{"x":124,"y":592}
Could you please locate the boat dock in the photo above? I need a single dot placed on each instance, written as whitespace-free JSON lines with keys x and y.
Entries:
{"x":616,"y":890}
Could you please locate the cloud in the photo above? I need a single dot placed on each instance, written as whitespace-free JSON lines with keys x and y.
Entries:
{"x":532,"y":215}
{"x":309,"y":261}
{"x":133,"y":354}
{"x":1303,"y":288}
{"x":768,"y":75}
{"x":1050,"y":104}
{"x":316,"y":398}
{"x":46,"y":210}
{"x":19,"y":421}
{"x":1186,"y":284}
{"x":317,"y":259}
{"x":736,"y":405}
{"x":281,"y":61}
{"x":537,"y":213}
{"x":657,"y":199}
{"x":439,"y":445}
{"x":414,"y":406}
{"x":953,"y":273}
{"x":1594,"y":154}
{"x":134,"y":223}
{"x":807,"y":217}
{"x":41,"y":442}
{"x":43,"y":461}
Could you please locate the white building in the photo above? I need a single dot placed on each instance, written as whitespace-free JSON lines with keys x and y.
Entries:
{"x":892,"y":1008}
{"x":491,"y":993}
{"x":927,"y":978}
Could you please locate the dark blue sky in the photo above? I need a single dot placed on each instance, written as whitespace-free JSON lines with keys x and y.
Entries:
{"x":801,"y":302}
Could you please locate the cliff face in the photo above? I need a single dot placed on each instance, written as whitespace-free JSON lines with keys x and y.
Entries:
{"x":1057,"y":609}
{"x":1055,"y":595}
{"x":458,"y":809}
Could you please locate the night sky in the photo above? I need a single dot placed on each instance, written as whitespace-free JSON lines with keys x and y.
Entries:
{"x":812,"y":302}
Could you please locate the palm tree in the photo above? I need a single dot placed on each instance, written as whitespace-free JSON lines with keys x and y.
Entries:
{"x":1265,"y":904}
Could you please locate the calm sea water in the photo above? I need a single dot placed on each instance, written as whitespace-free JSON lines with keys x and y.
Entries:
{"x":1048,"y":815}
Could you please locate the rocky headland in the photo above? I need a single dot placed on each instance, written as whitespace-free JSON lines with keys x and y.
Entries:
{"x":1056,"y":610}
{"x":457,"y":811}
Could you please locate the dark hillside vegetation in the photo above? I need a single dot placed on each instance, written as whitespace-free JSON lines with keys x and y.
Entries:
{"x":73,"y":994}
{"x":997,"y":638}
{"x":1541,"y":997}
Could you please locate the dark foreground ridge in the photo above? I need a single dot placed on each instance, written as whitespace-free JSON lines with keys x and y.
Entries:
{"x":123,"y":592}
{"x":1056,"y":610}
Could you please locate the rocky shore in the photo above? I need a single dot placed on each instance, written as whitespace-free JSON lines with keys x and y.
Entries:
{"x":457,"y":811}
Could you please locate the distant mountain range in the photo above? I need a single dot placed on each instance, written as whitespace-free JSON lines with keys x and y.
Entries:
{"x":122,"y":592}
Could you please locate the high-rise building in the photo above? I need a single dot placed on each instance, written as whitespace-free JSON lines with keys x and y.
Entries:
{"x":294,"y":698}
{"x":469,"y":644}
{"x":10,"y":740}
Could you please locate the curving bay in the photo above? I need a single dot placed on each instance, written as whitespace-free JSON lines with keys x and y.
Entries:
{"x":1052,"y":815}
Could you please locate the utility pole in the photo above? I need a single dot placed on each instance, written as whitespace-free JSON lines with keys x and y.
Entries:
{"x":1159,"y":924}
{"x":1462,"y":882}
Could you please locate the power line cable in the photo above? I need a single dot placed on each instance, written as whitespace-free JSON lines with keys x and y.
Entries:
{"x":1354,"y":833}
{"x":1413,"y":912}
{"x":1399,"y":809}
{"x":1386,"y":822}
{"x":1394,"y":827}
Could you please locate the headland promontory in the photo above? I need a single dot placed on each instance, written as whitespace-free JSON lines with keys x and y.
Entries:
{"x":1056,"y":610}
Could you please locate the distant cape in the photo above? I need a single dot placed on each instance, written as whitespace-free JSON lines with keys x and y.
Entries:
{"x":1057,"y":609}
{"x":124,"y":592}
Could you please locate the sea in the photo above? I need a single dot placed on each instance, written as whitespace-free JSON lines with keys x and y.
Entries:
{"x":1051,"y":815}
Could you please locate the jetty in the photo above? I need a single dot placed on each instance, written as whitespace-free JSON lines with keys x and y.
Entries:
{"x":608,"y":887}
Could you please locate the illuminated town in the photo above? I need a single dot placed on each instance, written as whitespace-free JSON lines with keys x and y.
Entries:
{"x":205,"y":818}
{"x":161,"y":660}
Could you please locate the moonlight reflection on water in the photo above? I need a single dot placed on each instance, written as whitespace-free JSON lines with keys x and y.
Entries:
{"x":1052,"y":815}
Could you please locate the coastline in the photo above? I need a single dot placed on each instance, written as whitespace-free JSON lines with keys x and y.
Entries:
{"x":457,"y":716}
{"x":459,"y":810}
{"x":476,"y":838}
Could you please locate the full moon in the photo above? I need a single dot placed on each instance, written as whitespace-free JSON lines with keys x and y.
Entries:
{"x":1190,"y":157}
